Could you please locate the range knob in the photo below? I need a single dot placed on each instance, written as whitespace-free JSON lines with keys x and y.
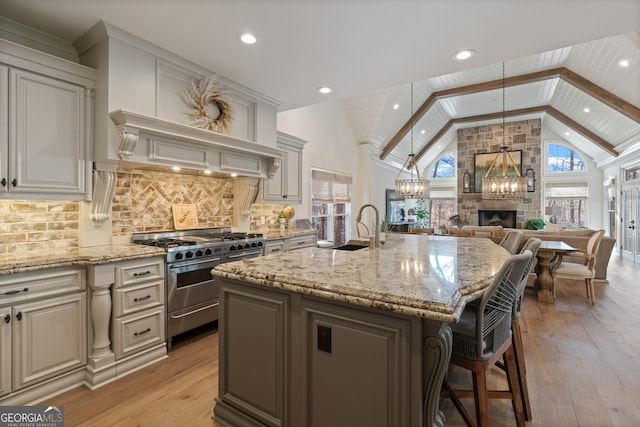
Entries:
{"x":199,"y":252}
{"x":259,"y":244}
{"x":178,"y":255}
{"x":232,"y":248}
{"x":207,"y":251}
{"x":189,"y":254}
{"x":253,"y":244}
{"x":247,"y":246}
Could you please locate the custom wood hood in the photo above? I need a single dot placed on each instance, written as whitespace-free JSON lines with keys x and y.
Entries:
{"x":150,"y":140}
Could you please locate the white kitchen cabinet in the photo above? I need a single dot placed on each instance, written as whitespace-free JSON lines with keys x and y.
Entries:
{"x":274,"y":246}
{"x":46,"y":104}
{"x":43,"y":332}
{"x":300,"y":242}
{"x":138,"y":306}
{"x":286,"y":184}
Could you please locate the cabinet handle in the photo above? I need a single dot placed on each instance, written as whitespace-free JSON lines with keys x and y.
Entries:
{"x":17,"y":291}
{"x":144,"y":273}
{"x":19,"y":316}
{"x":142,"y":332}
{"x":4,"y":182}
{"x":7,"y":318}
{"x":141,"y":298}
{"x":14,"y":182}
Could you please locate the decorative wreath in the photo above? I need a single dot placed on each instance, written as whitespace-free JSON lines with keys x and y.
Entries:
{"x":202,"y":94}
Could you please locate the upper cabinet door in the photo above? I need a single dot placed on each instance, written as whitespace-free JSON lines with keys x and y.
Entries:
{"x":4,"y":125}
{"x":47,"y":147}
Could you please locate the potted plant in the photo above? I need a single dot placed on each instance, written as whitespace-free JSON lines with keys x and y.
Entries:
{"x":281,"y":218}
{"x":422,"y":213}
{"x":535,"y":224}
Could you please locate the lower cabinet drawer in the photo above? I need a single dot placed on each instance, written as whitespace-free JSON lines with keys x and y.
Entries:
{"x":138,"y":330}
{"x":135,"y":298}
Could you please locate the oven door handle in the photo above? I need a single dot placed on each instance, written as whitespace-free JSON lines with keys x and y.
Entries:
{"x":213,"y":262}
{"x":179,"y":316}
{"x":244,"y":254}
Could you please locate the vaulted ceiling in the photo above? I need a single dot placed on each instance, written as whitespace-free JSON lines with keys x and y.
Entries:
{"x":555,"y":86}
{"x":369,"y":51}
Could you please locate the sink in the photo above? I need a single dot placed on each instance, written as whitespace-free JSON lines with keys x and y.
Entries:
{"x":350,"y":247}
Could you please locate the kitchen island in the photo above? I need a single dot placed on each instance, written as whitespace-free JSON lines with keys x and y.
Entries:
{"x":328,"y":337}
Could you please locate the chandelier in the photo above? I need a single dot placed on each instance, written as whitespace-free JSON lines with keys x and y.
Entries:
{"x":415,"y":187}
{"x":503,"y":186}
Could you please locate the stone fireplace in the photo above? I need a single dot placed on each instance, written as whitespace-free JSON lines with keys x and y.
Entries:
{"x":505,"y":218}
{"x":521,"y":135}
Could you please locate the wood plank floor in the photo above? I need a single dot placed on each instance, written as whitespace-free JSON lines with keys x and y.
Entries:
{"x":583,"y":368}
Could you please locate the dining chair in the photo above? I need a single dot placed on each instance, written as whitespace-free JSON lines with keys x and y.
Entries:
{"x":482,"y":337}
{"x":511,"y":241}
{"x":579,"y":271}
{"x":460,"y":233}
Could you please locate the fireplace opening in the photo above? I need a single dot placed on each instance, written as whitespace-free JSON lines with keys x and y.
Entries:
{"x":505,"y":218}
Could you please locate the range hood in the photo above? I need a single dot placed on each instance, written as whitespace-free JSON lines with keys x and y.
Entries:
{"x":152,"y":141}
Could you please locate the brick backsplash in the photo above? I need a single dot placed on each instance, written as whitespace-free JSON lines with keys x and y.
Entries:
{"x":269,"y":212}
{"x":37,"y":225}
{"x":142,"y":200}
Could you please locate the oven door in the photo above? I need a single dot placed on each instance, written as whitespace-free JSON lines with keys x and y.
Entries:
{"x":191,"y":282}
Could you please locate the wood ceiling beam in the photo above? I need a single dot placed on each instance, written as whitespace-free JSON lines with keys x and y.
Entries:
{"x":582,"y":130}
{"x":465,"y":90}
{"x":620,"y":105}
{"x":609,"y":148}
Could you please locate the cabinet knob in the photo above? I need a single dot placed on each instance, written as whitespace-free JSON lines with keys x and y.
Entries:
{"x":14,"y":182}
{"x":19,"y":316}
{"x":4,"y":182}
{"x":7,"y":318}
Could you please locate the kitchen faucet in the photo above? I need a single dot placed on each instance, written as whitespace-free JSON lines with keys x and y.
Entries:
{"x":377,"y":226}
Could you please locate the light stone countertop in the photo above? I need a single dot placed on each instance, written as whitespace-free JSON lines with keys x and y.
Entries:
{"x":67,"y":257}
{"x":418,"y":275}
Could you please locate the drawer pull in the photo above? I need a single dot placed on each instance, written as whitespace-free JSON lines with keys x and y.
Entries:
{"x":141,"y":298}
{"x":142,"y":332}
{"x":17,"y":291}
{"x":7,"y":318}
{"x":144,"y":273}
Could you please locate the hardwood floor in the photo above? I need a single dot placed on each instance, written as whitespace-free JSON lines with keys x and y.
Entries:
{"x":583,"y":368}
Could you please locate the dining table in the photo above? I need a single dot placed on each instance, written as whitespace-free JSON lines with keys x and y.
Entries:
{"x":543,"y":282}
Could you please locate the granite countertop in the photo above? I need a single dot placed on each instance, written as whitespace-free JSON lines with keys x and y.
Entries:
{"x":418,"y":275}
{"x":68,"y":257}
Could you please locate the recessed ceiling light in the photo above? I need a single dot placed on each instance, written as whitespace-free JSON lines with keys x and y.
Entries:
{"x":567,"y":133}
{"x":586,"y":110}
{"x":623,"y":63}
{"x":422,"y":132}
{"x":325,"y":89}
{"x":464,"y":54}
{"x":396,"y":106}
{"x":248,"y":38}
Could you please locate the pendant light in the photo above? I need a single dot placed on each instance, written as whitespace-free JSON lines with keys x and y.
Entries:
{"x":415,"y":187}
{"x":503,"y":186}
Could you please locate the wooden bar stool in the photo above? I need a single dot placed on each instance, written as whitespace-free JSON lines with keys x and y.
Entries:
{"x":482,"y":337}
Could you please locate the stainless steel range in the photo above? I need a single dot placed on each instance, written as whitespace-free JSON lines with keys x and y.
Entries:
{"x":191,"y":290}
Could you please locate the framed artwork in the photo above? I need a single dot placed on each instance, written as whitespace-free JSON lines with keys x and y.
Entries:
{"x":482,"y":162}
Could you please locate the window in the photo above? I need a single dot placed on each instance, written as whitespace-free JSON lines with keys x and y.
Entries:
{"x":563,"y":159}
{"x":441,"y":211}
{"x":567,"y":203}
{"x":444,"y":167}
{"x":331,"y":206}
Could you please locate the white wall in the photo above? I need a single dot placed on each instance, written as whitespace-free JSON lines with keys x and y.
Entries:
{"x":331,"y":146}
